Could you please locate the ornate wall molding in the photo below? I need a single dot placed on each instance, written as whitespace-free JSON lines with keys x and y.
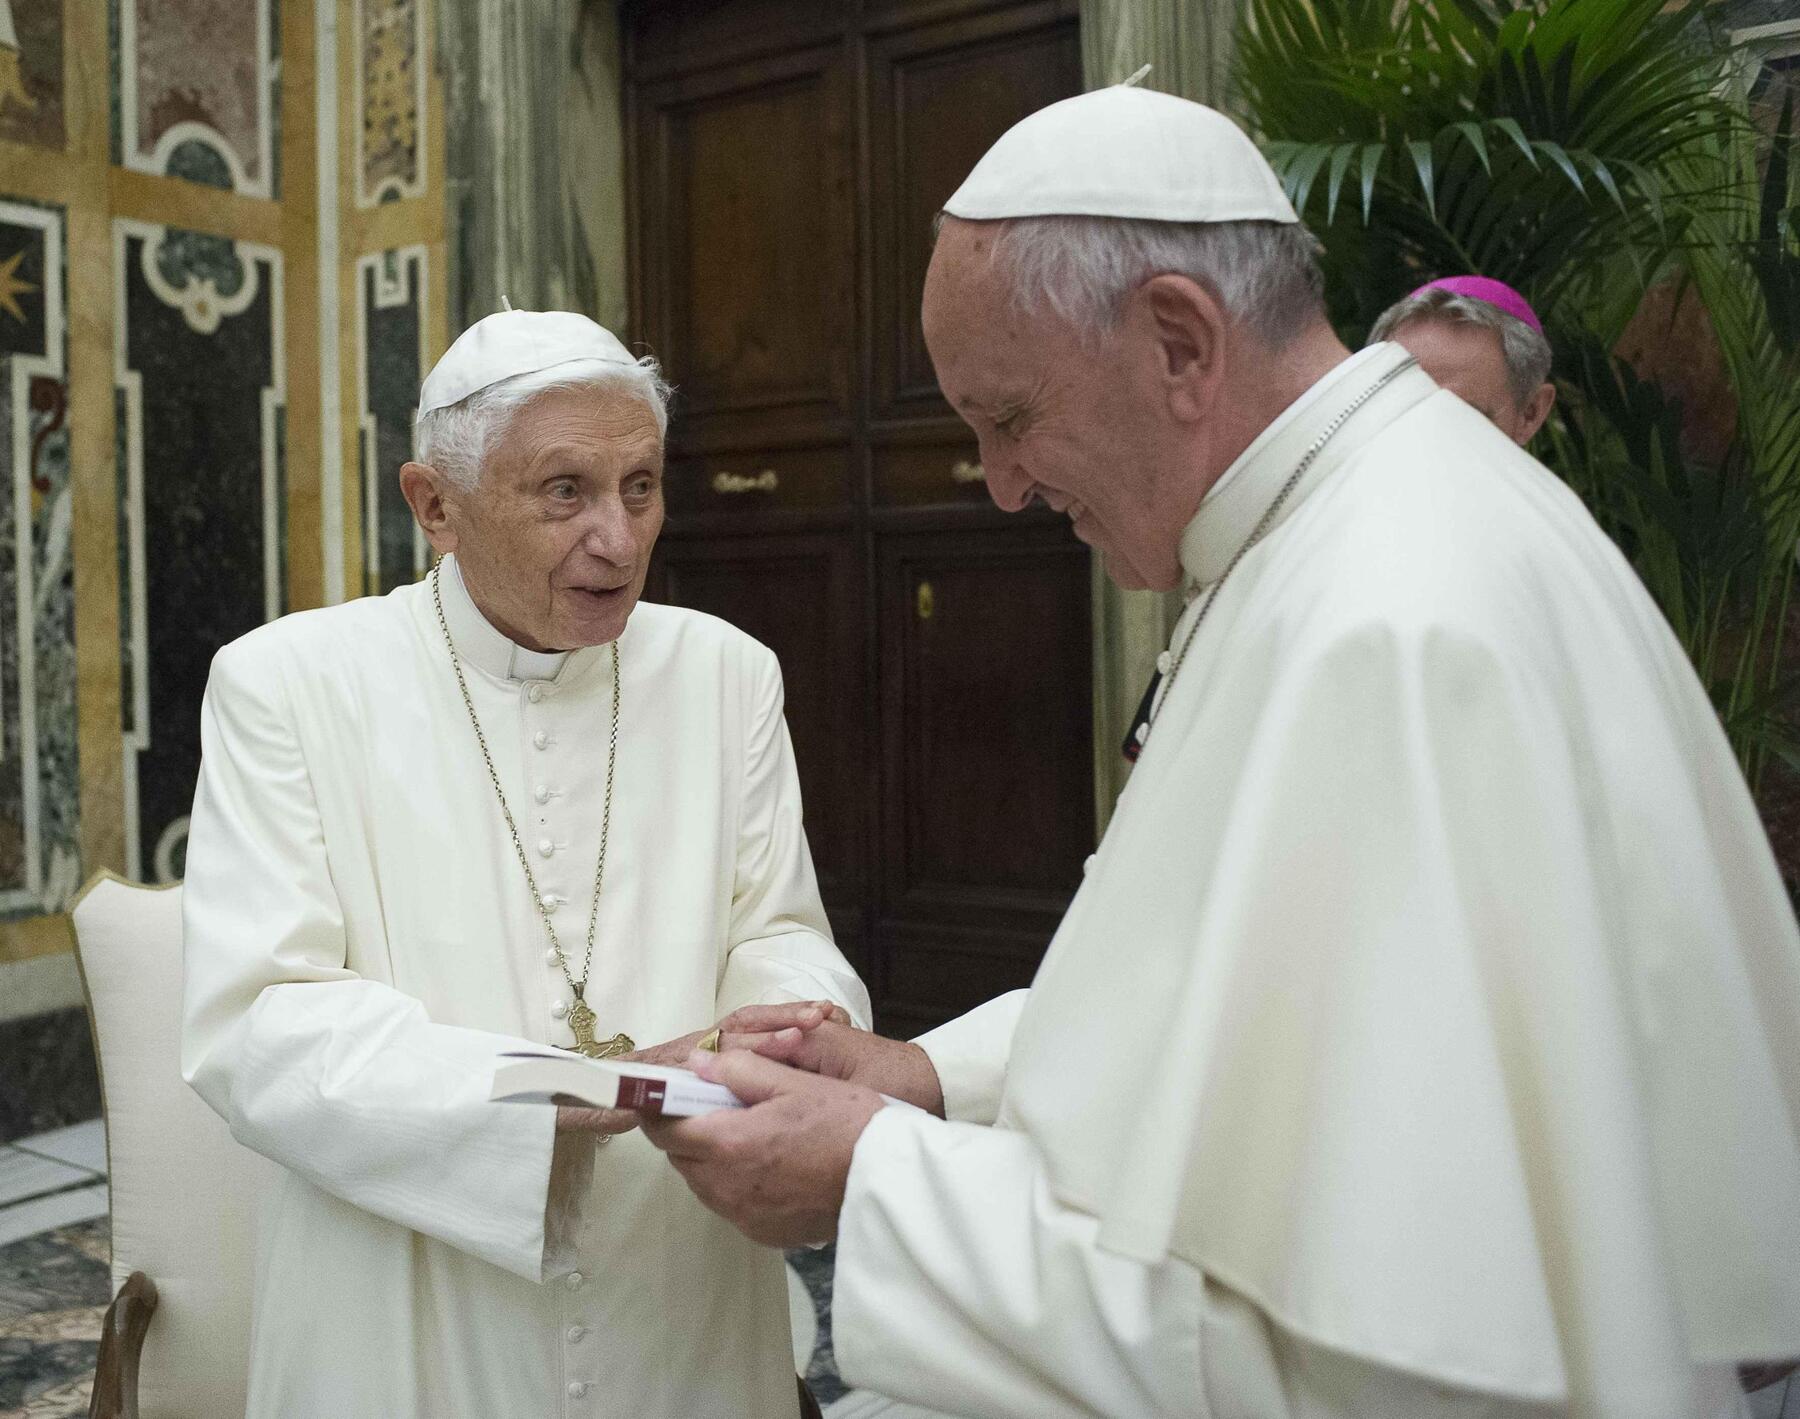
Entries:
{"x":204,"y":111}
{"x":389,"y":77}
{"x":39,"y":778}
{"x":392,"y":342}
{"x":201,"y":515}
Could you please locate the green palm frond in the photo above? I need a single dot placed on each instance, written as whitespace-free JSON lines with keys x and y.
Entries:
{"x":1582,"y":151}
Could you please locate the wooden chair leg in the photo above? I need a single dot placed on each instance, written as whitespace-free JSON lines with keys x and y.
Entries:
{"x":121,"y":1346}
{"x":809,"y":1407}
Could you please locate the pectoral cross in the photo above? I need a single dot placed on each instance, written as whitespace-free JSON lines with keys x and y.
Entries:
{"x":582,"y":1020}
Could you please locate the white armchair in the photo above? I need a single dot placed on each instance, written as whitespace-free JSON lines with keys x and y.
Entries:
{"x":185,"y":1194}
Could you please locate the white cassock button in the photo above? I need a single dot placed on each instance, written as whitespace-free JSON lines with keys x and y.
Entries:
{"x":576,"y":1332}
{"x":558,"y":1009}
{"x":553,"y":901}
{"x":541,"y":793}
{"x":550,"y":956}
{"x":545,"y":847}
{"x":1163,"y":662}
{"x":577,"y":1388}
{"x":541,"y":739}
{"x":1087,"y":865}
{"x":535,"y":693}
{"x":573,"y":1280}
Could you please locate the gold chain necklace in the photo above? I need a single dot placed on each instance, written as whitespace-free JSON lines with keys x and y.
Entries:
{"x":581,"y":1015}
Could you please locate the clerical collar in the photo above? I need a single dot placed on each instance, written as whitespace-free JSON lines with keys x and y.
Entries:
{"x":1235,"y":504}
{"x":486,"y":648}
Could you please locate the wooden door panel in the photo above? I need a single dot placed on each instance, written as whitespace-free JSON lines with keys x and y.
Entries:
{"x":938,"y":96}
{"x":986,"y":725}
{"x":745,"y":244}
{"x":799,"y":596}
{"x":924,"y":984}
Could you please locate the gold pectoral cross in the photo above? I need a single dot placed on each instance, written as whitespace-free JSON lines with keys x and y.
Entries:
{"x":582,"y":1020}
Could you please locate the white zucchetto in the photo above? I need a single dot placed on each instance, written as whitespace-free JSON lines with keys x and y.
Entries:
{"x":1124,"y":152}
{"x":515,"y":342}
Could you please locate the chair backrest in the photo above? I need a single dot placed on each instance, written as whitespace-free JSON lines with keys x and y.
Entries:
{"x":185,"y":1194}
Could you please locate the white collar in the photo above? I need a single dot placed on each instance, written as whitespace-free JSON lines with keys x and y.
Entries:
{"x":484,"y":647}
{"x":1234,"y":505}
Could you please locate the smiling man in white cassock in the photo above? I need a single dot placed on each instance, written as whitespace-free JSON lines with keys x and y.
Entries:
{"x":507,"y":806}
{"x":1422,"y":1041}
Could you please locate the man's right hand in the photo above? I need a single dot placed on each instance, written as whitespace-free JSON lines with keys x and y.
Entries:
{"x":764,"y":1028}
{"x":892,"y":1067}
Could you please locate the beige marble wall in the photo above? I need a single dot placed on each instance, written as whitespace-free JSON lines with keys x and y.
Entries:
{"x":1187,"y":43}
{"x":341,"y":98}
{"x":38,"y":985}
{"x":536,"y":158}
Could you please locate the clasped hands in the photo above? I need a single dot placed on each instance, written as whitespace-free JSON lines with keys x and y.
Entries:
{"x":777,"y":1169}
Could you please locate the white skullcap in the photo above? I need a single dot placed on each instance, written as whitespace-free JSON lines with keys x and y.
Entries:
{"x":1124,"y":152}
{"x":515,"y":342}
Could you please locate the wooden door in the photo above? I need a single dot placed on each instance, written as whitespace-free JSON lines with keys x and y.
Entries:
{"x":986,"y":782}
{"x":745,"y":247}
{"x":939,"y":94}
{"x":798,"y":595}
{"x":986,"y":801}
{"x":787,"y":158}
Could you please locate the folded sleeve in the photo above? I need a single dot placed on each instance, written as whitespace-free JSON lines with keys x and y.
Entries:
{"x":970,"y":1054}
{"x":343,"y":1080}
{"x":780,"y":947}
{"x":963,"y":1285}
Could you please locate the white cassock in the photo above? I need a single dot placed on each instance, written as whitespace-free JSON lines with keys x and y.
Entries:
{"x":361,"y":944}
{"x":1423,"y":1038}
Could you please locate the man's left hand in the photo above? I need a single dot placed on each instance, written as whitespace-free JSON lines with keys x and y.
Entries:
{"x":778,"y":1029}
{"x":775,"y":1170}
{"x":750,"y":1027}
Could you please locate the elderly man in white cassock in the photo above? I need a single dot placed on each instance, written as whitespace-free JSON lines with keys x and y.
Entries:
{"x":1422,"y":1040}
{"x":507,"y":806}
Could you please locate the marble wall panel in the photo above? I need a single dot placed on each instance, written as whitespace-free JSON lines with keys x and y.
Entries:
{"x":48,"y":1074}
{"x":198,"y":361}
{"x":202,"y":110}
{"x":31,"y":72}
{"x":391,"y":343}
{"x":390,"y":101}
{"x":39,"y":779}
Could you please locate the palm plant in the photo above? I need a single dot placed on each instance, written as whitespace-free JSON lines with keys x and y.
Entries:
{"x":1583,"y":151}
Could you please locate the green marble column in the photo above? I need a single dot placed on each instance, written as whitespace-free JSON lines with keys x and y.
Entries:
{"x":535,"y":157}
{"x":1187,"y":43}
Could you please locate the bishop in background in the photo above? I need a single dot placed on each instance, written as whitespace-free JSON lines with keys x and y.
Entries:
{"x":1422,"y":1041}
{"x":509,"y":805}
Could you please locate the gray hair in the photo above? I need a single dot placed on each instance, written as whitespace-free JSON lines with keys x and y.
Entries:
{"x":1527,"y":352}
{"x":457,"y":440}
{"x":1265,"y":274}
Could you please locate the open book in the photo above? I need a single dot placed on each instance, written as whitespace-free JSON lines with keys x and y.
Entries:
{"x":654,"y":1090}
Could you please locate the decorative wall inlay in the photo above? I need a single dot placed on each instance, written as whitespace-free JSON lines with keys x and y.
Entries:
{"x":31,"y":72}
{"x":390,"y":101}
{"x":199,"y":110}
{"x":48,"y":1077}
{"x":39,"y":779}
{"x":391,"y":342}
{"x":199,"y":363}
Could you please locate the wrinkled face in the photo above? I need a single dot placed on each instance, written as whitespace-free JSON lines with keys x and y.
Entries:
{"x":554,"y":542}
{"x":1081,"y":429}
{"x":1470,"y":362}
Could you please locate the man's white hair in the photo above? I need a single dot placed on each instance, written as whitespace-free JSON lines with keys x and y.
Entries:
{"x":1265,"y":274}
{"x":458,"y":440}
{"x":1527,"y":352}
